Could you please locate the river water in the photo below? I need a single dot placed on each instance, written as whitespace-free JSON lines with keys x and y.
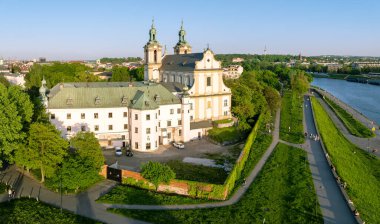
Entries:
{"x":363,"y":97}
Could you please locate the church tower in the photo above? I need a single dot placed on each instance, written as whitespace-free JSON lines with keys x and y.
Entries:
{"x":153,"y":56}
{"x":182,"y":47}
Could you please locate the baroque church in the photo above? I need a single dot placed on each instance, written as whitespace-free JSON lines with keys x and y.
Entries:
{"x":181,"y":95}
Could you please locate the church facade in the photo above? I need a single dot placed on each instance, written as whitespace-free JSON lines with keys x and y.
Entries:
{"x":181,"y":95}
{"x":210,"y":99}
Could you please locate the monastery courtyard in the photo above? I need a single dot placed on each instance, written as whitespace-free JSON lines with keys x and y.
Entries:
{"x":195,"y":149}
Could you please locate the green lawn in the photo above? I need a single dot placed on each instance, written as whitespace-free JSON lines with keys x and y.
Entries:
{"x":188,"y":171}
{"x":353,"y":126}
{"x":282,"y":193}
{"x":3,"y":187}
{"x":31,"y":211}
{"x":291,"y":116}
{"x":229,"y":134}
{"x":123,"y":194}
{"x":359,"y":169}
{"x":224,"y":121}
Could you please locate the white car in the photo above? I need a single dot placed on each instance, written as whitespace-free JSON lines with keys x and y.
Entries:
{"x":118,"y":151}
{"x":179,"y":145}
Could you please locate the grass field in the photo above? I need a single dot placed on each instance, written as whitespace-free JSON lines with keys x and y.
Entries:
{"x":228,"y":134}
{"x":187,"y":171}
{"x":291,"y":116}
{"x":353,"y":126}
{"x":282,"y":193}
{"x":31,"y":211}
{"x":360,"y":170}
{"x":123,"y":194}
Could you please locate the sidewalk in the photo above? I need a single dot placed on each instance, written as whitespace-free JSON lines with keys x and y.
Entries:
{"x":82,"y":204}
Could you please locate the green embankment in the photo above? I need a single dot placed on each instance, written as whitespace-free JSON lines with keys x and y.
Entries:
{"x":353,"y":126}
{"x":360,"y":170}
{"x":282,"y":193}
{"x":31,"y":211}
{"x":291,"y":116}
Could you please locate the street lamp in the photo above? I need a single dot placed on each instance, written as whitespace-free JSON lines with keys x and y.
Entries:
{"x":60,"y":182}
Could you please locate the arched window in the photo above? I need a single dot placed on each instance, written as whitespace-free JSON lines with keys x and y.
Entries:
{"x":155,"y":56}
{"x":185,"y":51}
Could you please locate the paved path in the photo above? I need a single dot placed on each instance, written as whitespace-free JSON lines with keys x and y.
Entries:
{"x":83,"y":204}
{"x":235,"y":198}
{"x":363,"y":143}
{"x":333,"y":205}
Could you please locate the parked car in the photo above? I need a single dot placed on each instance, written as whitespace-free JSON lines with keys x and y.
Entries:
{"x":118,"y":151}
{"x":128,"y":153}
{"x":179,"y":145}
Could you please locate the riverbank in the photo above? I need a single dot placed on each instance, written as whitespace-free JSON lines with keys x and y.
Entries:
{"x":364,"y":79}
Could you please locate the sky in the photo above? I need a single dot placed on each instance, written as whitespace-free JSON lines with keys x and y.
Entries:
{"x":91,"y":29}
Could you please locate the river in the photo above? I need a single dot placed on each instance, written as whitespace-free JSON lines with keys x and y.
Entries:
{"x":363,"y":97}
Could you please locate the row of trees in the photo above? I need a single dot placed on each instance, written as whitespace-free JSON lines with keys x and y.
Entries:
{"x":28,"y":139}
{"x":259,"y":87}
{"x":120,"y":60}
{"x":124,"y":74}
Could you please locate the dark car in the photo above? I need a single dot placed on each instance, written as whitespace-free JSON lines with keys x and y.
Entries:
{"x":129,"y":153}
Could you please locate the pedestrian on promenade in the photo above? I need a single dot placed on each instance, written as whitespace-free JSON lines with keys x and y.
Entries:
{"x":10,"y":192}
{"x":13,"y":193}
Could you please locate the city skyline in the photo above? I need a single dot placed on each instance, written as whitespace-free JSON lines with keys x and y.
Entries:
{"x":93,"y":29}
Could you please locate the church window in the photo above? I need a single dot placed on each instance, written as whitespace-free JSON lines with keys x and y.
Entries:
{"x":68,"y":128}
{"x":179,"y":122}
{"x":136,"y":116}
{"x":148,"y":145}
{"x":178,"y":110}
{"x":82,"y":115}
{"x":96,"y":115}
{"x":225,"y":113}
{"x":125,"y":126}
{"x":148,"y":117}
{"x":125,"y":114}
{"x":136,"y":130}
{"x":225,"y":103}
{"x":68,"y":116}
{"x":185,"y":51}
{"x":136,"y":145}
{"x":109,"y":115}
{"x":52,"y":116}
{"x":208,"y":81}
{"x":96,"y":127}
{"x":169,"y":123}
{"x":171,"y":111}
{"x":148,"y":130}
{"x":179,"y":132}
{"x":155,"y":56}
{"x":110,"y":127}
{"x":191,"y":118}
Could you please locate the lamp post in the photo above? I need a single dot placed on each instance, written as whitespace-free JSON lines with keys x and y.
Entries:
{"x":60,"y":183}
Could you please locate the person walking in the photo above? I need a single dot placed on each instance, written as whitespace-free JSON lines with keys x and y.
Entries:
{"x":10,"y":192}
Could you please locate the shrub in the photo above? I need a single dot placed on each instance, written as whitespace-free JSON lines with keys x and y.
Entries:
{"x":157,"y":173}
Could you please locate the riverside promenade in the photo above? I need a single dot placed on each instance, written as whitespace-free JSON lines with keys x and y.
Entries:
{"x":367,"y":144}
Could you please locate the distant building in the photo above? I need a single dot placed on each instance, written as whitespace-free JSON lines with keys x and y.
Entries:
{"x":15,"y":79}
{"x":237,"y":59}
{"x":232,"y":72}
{"x":359,"y":65}
{"x":42,"y":60}
{"x":333,"y":67}
{"x":1,"y":62}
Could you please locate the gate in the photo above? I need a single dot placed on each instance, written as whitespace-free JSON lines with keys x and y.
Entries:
{"x":113,"y":174}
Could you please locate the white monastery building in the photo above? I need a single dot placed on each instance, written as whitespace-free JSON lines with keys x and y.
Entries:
{"x":181,"y":95}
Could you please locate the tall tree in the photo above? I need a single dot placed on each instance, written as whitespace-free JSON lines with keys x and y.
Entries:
{"x":47,"y":148}
{"x":15,"y":112}
{"x":86,"y":145}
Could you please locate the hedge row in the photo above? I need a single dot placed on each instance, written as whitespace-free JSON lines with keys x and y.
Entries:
{"x":206,"y":190}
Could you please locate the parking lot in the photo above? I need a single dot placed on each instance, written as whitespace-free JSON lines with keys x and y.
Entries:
{"x":196,"y":149}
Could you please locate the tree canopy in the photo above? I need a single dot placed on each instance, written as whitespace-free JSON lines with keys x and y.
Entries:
{"x":157,"y":173}
{"x":16,"y":111}
{"x":45,"y":149}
